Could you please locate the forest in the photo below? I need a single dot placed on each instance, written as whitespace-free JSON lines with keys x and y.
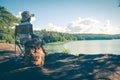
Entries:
{"x":62,"y":37}
{"x":7,"y":32}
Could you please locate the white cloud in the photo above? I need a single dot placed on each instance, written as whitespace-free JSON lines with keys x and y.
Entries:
{"x":33,"y":19}
{"x":89,"y":25}
{"x":86,"y":25}
{"x":52,"y":27}
{"x":108,"y":29}
{"x":36,"y":28}
{"x":19,"y":15}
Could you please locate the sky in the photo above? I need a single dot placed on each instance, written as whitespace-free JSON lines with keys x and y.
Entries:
{"x":72,"y":16}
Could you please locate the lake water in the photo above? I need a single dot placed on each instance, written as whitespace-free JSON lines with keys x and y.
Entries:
{"x":88,"y":47}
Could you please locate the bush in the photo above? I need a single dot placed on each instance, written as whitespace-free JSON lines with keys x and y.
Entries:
{"x":64,"y":50}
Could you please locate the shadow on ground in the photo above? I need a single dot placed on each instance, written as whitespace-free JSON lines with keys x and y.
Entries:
{"x":60,"y":66}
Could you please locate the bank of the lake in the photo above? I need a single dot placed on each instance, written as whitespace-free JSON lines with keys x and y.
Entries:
{"x":59,"y":42}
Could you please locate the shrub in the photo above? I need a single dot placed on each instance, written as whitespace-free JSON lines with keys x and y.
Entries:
{"x":64,"y":50}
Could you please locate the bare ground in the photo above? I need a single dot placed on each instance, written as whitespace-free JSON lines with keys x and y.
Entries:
{"x":60,"y":66}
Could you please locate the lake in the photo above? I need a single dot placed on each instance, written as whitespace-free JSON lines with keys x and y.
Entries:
{"x":88,"y":47}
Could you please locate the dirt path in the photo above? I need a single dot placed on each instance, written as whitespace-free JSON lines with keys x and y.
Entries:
{"x":5,"y":46}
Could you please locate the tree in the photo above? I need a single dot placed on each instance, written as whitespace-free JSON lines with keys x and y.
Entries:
{"x":118,"y":3}
{"x":7,"y":20}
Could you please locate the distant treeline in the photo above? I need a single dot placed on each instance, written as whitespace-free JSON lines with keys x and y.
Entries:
{"x":7,"y":35}
{"x":57,"y":36}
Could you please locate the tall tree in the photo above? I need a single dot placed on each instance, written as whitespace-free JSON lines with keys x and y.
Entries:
{"x":7,"y":20}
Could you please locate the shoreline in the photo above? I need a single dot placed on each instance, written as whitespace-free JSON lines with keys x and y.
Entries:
{"x":62,"y":42}
{"x":59,"y":42}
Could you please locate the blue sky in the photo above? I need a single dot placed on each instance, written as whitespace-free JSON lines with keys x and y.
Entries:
{"x":68,"y":14}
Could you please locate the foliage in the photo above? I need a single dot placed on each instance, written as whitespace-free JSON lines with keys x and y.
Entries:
{"x":76,"y":54}
{"x":64,"y":50}
{"x":63,"y":37}
{"x":7,"y":20}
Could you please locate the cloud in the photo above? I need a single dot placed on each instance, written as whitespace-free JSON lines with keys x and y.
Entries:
{"x":33,"y":19}
{"x":86,"y":25}
{"x":19,"y":15}
{"x":108,"y":29}
{"x":89,"y":25}
{"x":52,"y":27}
{"x":82,"y":25}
